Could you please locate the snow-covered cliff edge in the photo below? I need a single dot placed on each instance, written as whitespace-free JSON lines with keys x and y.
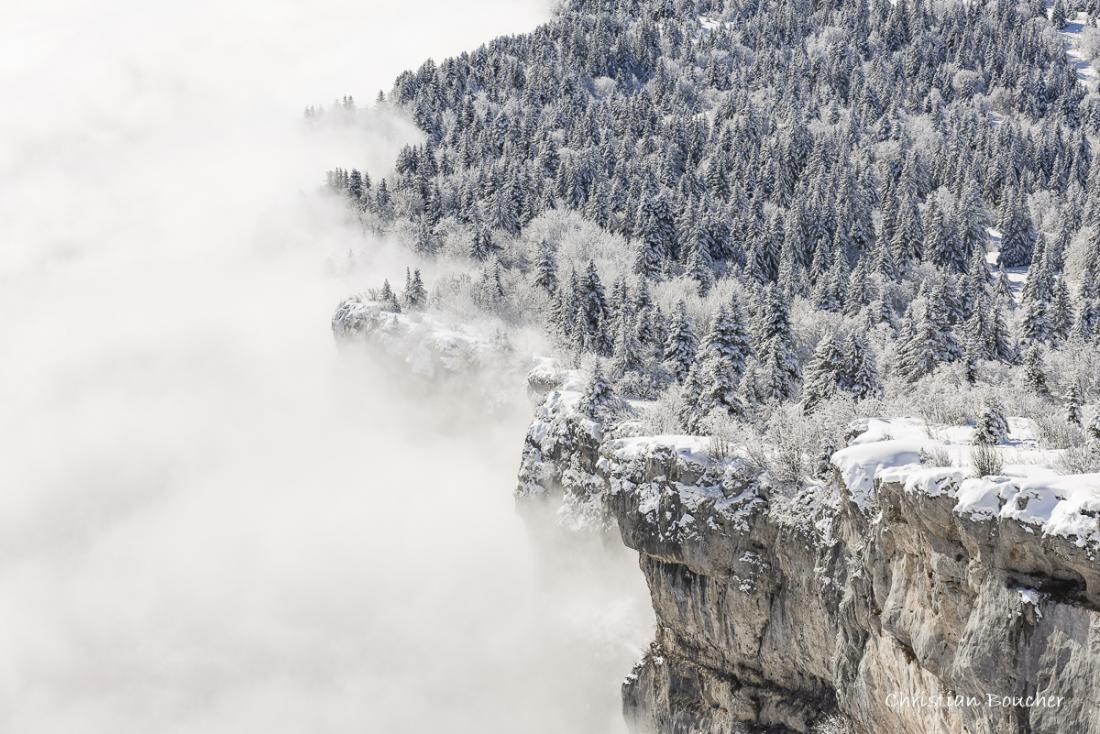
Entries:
{"x":896,"y":596}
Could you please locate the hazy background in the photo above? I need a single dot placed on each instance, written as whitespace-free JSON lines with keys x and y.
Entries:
{"x":209,"y":522}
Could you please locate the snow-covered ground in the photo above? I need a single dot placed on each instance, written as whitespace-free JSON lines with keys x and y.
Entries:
{"x":1071,"y":32}
{"x":1027,"y":490}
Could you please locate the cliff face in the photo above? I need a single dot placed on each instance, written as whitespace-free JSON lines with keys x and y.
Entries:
{"x":911,"y":601}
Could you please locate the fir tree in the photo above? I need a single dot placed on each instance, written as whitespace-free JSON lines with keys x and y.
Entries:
{"x":1017,"y":233}
{"x":1061,"y":312}
{"x":546,"y":270}
{"x":681,"y":345}
{"x":416,"y":296}
{"x":991,"y":427}
{"x":1073,"y":406}
{"x":781,"y":371}
{"x":1087,"y":325}
{"x":598,"y":397}
{"x":822,"y":373}
{"x":629,"y":354}
{"x":861,"y":376}
{"x":727,"y":342}
{"x":592,"y":314}
{"x":389,"y":298}
{"x":1034,"y":375}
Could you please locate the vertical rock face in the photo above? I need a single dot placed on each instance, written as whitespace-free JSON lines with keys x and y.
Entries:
{"x":897,"y":613}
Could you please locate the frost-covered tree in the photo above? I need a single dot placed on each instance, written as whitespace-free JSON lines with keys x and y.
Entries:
{"x":823,"y":374}
{"x":415,"y":295}
{"x":629,"y":354}
{"x":388,"y":297}
{"x":1093,"y":429}
{"x":655,"y":230}
{"x":727,"y":342}
{"x":1017,"y":232}
{"x":598,"y":396}
{"x":592,"y":313}
{"x":779,"y":371}
{"x":861,"y":375}
{"x":546,"y":270}
{"x":682,"y":345}
{"x":1073,"y":406}
{"x":1034,"y":372}
{"x":991,"y":427}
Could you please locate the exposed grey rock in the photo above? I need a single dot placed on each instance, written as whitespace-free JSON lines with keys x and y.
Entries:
{"x":776,"y":612}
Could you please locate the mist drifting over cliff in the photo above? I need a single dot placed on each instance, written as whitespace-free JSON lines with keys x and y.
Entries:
{"x":209,"y":522}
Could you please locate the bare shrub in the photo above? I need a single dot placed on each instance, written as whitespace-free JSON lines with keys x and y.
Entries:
{"x":719,"y":448}
{"x":986,"y":461}
{"x":1079,"y":460}
{"x":663,"y":414}
{"x":1055,"y":432}
{"x":936,"y":456}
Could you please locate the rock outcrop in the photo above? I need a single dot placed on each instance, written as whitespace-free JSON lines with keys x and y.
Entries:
{"x":915,"y":603}
{"x":478,"y":359}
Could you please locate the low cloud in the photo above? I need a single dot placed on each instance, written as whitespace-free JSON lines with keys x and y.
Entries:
{"x":209,"y":522}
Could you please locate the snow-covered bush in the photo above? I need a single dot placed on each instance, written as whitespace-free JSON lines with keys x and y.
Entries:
{"x":935,"y":456}
{"x":986,"y":461}
{"x":1079,"y":459}
{"x":662,"y":416}
{"x":1055,"y":432}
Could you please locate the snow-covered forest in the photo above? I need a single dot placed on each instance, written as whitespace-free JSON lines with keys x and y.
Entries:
{"x":763,"y":221}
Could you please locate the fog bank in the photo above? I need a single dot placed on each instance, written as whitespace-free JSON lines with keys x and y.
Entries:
{"x":209,"y":522}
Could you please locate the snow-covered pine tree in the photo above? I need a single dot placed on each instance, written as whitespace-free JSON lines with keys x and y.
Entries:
{"x":681,"y":345}
{"x":924,"y":349}
{"x":938,"y":245}
{"x":970,"y":221}
{"x":1034,"y":373}
{"x":861,"y":376}
{"x":389,"y":298}
{"x":1017,"y":232}
{"x":1036,"y":300}
{"x":592,"y":313}
{"x":1061,"y":312}
{"x":598,"y":396}
{"x":700,"y":267}
{"x":427,"y":244}
{"x":780,"y":370}
{"x":481,"y":246}
{"x":727,"y":341}
{"x":908,"y":241}
{"x":1058,"y":14}
{"x":823,"y":373}
{"x":1073,"y":405}
{"x":991,"y":427}
{"x":546,"y":269}
{"x":415,"y":296}
{"x":1093,"y":429}
{"x":655,"y":230}
{"x":1002,"y":288}
{"x":629,"y":354}
{"x":1087,"y":325}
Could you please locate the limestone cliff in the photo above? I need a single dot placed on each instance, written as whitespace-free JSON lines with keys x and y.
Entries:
{"x":889,"y":598}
